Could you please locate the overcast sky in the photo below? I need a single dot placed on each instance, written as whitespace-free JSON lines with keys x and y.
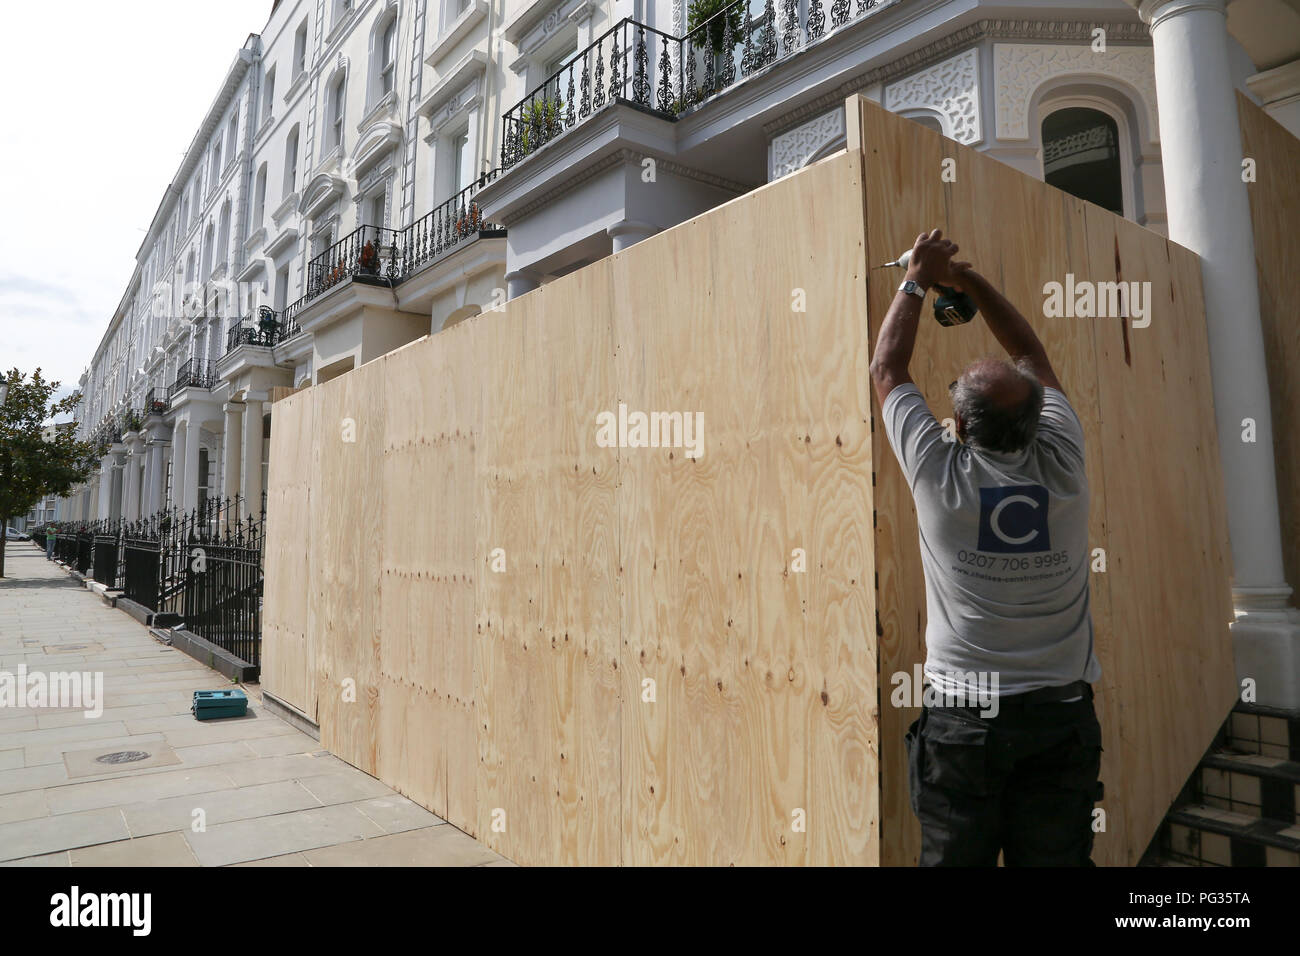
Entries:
{"x":100,"y":102}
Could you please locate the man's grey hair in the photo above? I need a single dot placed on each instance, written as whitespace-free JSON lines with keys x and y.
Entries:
{"x":988,"y":425}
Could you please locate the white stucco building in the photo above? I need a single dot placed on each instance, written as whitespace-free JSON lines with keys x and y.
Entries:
{"x":371,"y":171}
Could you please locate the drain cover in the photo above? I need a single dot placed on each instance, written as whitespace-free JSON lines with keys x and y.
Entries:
{"x":123,"y":756}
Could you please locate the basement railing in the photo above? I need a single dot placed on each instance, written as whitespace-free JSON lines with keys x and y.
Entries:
{"x":636,"y":64}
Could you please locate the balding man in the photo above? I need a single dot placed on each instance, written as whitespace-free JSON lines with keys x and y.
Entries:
{"x":1006,"y":753}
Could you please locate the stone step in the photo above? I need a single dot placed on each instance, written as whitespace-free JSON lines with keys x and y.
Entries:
{"x":1267,"y":731}
{"x":1250,"y":784}
{"x":1202,"y":835}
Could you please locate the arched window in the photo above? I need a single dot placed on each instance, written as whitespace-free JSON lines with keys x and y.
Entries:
{"x":1081,"y":155}
{"x":259,"y":197}
{"x":291,"y":162}
{"x":223,"y":236}
{"x":209,"y":240}
{"x":334,"y":129}
{"x":385,"y":59}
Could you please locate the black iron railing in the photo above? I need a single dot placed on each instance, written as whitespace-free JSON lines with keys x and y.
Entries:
{"x":289,"y":319}
{"x":635,"y":63}
{"x":155,"y":402}
{"x":106,"y":563}
{"x":193,"y":373}
{"x":365,"y":251}
{"x":204,"y":567}
{"x":444,"y":227}
{"x":268,"y":331}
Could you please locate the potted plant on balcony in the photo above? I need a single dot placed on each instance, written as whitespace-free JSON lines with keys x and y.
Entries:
{"x":368,"y":260}
{"x":131,"y":422}
{"x":267,"y":323}
{"x":470,"y":221}
{"x":540,"y":121}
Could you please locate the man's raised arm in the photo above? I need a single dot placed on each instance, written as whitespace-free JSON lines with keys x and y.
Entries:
{"x":1006,"y":323}
{"x":931,"y":257}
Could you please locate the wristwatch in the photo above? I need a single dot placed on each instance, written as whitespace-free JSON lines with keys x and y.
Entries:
{"x":912,"y":287}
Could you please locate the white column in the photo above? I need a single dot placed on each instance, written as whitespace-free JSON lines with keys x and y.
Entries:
{"x":251,"y":480}
{"x":189,"y":490}
{"x":1209,"y":213}
{"x":521,"y":281}
{"x":629,"y":232}
{"x":232,"y":457}
{"x":105,"y":487}
{"x":131,"y":483}
{"x":157,"y":477}
{"x":180,"y":436}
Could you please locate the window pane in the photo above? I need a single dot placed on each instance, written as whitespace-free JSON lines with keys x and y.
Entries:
{"x":1081,"y":156}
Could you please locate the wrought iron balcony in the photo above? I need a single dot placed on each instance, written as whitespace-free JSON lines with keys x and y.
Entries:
{"x":639,"y":65}
{"x":289,"y":326}
{"x":367,"y":251}
{"x":193,"y":373}
{"x":266,"y":333}
{"x":155,"y":402}
{"x":457,"y":220}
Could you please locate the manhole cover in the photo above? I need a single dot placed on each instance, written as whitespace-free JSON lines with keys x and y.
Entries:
{"x":123,"y":756}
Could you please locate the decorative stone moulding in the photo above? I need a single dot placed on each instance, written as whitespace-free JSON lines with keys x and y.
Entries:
{"x":1020,"y":69}
{"x":796,"y":148}
{"x":950,"y":89}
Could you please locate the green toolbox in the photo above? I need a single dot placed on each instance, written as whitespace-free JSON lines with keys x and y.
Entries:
{"x":215,"y":704}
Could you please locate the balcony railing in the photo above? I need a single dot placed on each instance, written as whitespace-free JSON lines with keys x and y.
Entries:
{"x":637,"y":64}
{"x":155,"y":402}
{"x":267,"y":332}
{"x":446,"y":226}
{"x":365,"y":251}
{"x":193,"y":373}
{"x":289,"y":326}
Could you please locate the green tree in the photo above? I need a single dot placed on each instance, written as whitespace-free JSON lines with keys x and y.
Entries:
{"x":701,"y":11}
{"x":36,"y":459}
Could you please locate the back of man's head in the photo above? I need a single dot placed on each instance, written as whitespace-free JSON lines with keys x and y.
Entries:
{"x":998,"y":404}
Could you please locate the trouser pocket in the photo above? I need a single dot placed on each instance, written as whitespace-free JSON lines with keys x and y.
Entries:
{"x":954,"y":753}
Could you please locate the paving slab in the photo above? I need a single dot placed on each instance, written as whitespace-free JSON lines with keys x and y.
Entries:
{"x":164,"y":849}
{"x":219,"y":806}
{"x":47,"y":834}
{"x":270,"y":795}
{"x":283,"y":833}
{"x":432,"y":846}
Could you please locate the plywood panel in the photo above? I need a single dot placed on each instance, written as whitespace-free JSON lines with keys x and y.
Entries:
{"x":1171,"y":582}
{"x":347,"y":520}
{"x":548,"y":660}
{"x":513,"y":701}
{"x":765,"y":694}
{"x":1274,"y":208}
{"x":288,"y":669}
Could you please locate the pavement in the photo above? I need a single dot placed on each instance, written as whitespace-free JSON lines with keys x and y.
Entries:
{"x":174,"y":791}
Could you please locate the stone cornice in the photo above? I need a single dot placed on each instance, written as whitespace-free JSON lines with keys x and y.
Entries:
{"x":617,"y":157}
{"x":1066,"y":31}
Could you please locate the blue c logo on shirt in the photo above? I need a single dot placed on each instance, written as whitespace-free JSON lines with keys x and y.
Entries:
{"x":1013,"y":519}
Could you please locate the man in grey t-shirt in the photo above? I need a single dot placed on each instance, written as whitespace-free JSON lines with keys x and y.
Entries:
{"x":1006,"y":758}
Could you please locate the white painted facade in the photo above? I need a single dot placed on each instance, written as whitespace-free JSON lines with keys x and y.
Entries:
{"x":388,"y":116}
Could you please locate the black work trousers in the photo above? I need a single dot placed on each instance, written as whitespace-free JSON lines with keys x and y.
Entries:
{"x":1023,"y":782}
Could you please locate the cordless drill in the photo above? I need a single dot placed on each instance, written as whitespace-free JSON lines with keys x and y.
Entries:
{"x":951,"y":307}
